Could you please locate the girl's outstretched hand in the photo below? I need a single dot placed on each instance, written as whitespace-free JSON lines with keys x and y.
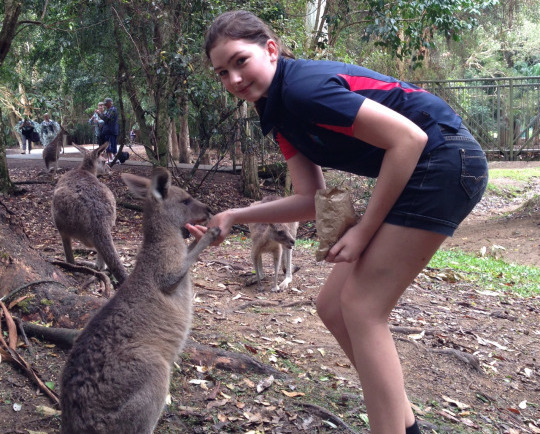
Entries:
{"x":197,"y":231}
{"x":222,"y":220}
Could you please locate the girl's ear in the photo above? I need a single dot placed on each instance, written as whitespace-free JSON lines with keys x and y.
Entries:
{"x":272,"y":48}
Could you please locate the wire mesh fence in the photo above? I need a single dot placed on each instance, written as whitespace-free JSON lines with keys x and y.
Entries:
{"x":502,"y":113}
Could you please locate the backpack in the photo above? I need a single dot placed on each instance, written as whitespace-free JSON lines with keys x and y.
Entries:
{"x":123,"y":157}
{"x":25,"y":129}
{"x":35,"y":137}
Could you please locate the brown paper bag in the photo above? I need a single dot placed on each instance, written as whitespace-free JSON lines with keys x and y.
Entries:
{"x":334,"y":215}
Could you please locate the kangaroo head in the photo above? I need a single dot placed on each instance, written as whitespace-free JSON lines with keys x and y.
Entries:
{"x":281,"y":234}
{"x":102,"y":168}
{"x":165,"y":205}
{"x":91,"y":158}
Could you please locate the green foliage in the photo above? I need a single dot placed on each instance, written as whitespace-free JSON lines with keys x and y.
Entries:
{"x":406,"y":28}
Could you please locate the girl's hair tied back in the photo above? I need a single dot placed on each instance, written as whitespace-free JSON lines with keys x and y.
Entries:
{"x":240,"y":24}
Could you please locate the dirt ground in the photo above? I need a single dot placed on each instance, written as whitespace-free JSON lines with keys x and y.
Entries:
{"x":470,"y":356}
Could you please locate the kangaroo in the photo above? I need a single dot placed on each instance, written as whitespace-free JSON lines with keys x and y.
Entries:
{"x":117,"y":375}
{"x":85,"y":209}
{"x":51,"y":153}
{"x":275,"y":238}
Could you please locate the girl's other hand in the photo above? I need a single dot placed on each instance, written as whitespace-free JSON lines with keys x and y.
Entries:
{"x":349,"y":247}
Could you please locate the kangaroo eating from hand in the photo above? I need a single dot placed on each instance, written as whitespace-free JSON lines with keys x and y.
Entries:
{"x":117,"y":376}
{"x":277,"y":239}
{"x":84,"y":208}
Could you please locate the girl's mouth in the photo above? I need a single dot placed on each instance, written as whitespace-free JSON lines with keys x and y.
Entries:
{"x":244,"y":89}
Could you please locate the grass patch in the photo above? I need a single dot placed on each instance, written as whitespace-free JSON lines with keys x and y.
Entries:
{"x":516,"y":174}
{"x":508,"y":191}
{"x":491,"y":273}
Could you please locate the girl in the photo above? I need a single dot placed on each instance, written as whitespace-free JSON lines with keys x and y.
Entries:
{"x":431,"y":173}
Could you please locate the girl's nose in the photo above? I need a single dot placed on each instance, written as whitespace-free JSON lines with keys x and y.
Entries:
{"x":235,"y":77}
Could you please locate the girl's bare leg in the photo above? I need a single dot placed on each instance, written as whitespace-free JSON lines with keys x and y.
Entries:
{"x":368,"y":290}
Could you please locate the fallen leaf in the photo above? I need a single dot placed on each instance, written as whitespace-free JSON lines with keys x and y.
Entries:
{"x":47,"y":411}
{"x":292,"y":394}
{"x":458,"y":404}
{"x":417,"y":336}
{"x":534,"y":428}
{"x":265,"y":384}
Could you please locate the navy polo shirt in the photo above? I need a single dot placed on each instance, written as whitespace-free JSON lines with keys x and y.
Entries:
{"x":312,"y":104}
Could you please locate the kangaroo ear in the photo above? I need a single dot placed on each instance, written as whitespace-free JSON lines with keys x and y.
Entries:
{"x":81,"y":149}
{"x":161,"y":183}
{"x":100,"y":150}
{"x":137,"y":184}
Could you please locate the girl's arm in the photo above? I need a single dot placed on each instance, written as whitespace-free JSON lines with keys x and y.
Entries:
{"x":403,"y":141}
{"x":306,"y":178}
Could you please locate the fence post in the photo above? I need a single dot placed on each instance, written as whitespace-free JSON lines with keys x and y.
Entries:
{"x":512,"y":139}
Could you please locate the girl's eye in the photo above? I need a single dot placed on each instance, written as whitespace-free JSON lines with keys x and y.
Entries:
{"x":222,"y":74}
{"x":241,"y":60}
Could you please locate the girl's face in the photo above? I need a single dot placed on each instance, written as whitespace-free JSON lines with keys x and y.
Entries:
{"x":246,"y":69}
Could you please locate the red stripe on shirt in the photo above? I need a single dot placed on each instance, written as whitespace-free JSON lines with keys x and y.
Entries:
{"x":343,"y":130}
{"x":287,"y":149}
{"x":366,"y":83}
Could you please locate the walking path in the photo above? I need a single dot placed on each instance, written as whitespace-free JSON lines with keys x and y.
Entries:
{"x":72,"y":154}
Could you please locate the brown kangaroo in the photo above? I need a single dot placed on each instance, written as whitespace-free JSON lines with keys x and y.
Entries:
{"x":277,"y":239}
{"x":117,"y":376}
{"x":51,"y":153}
{"x":84,"y":208}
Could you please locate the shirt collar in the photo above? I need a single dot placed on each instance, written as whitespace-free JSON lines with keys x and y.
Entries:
{"x":269,"y":107}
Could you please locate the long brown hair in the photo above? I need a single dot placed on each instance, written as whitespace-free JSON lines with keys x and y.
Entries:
{"x":241,"y":24}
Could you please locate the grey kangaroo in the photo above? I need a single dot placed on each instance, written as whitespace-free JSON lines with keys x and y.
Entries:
{"x":51,"y":153}
{"x":117,"y":375}
{"x":277,"y":239}
{"x":84,"y":208}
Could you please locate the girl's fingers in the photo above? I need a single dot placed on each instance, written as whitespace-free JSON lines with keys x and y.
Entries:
{"x":196,"y":230}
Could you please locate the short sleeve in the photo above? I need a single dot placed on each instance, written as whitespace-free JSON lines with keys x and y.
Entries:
{"x":324,"y":101}
{"x":287,"y":149}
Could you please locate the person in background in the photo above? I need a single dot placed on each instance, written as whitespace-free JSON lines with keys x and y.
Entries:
{"x":430,"y":174}
{"x":110,"y":127}
{"x":132,"y":136}
{"x":97,"y":122}
{"x":26,"y":128}
{"x":49,"y":130}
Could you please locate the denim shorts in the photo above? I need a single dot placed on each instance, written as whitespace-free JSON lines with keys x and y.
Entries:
{"x":445,"y":186}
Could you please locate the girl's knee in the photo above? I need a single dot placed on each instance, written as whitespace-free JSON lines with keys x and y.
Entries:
{"x":326,"y":308}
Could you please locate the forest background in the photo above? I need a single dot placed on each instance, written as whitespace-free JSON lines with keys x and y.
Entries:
{"x":63,"y":57}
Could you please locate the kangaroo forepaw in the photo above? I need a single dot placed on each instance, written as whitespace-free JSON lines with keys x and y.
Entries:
{"x":213,"y":233}
{"x":208,"y":238}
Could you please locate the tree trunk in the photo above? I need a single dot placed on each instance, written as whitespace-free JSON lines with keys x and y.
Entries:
{"x":183,"y":142}
{"x":12,"y":10}
{"x":173,"y":142}
{"x":250,"y":176}
{"x":6,"y":186}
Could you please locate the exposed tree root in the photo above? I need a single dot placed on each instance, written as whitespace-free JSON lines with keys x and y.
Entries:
{"x":87,"y":270}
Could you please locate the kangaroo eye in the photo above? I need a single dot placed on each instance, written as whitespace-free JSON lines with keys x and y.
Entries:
{"x":187,"y":201}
